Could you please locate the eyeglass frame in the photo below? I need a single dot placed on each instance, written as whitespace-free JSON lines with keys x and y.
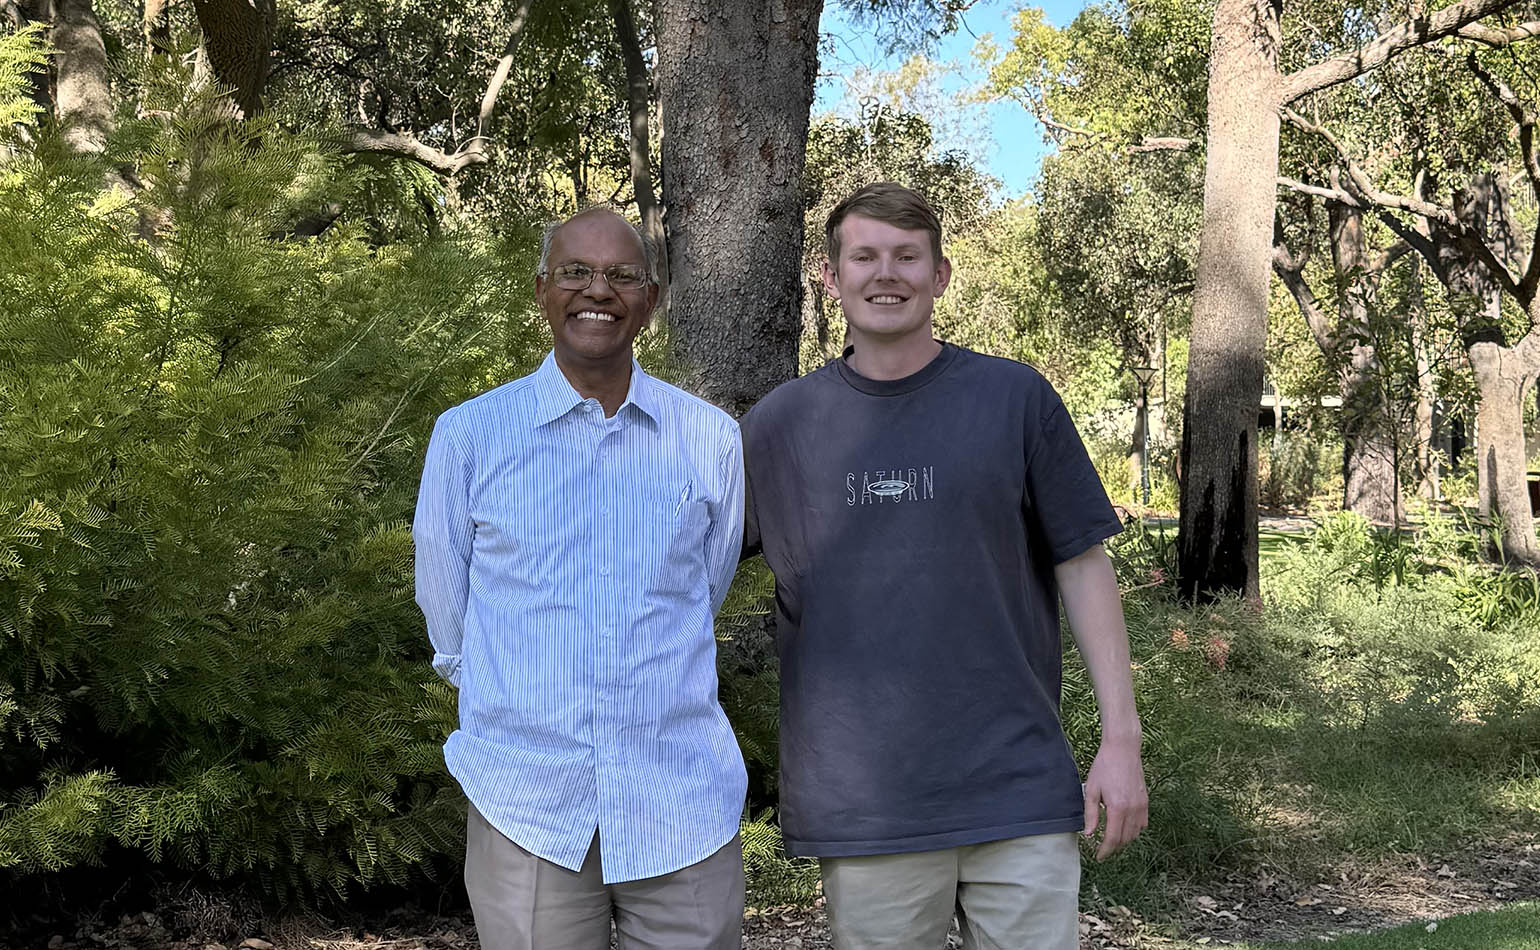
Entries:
{"x":555,"y":275}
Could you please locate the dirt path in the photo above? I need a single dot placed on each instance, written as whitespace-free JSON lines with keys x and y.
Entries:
{"x":1260,"y":905}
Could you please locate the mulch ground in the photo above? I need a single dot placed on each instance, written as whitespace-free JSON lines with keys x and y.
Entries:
{"x":1261,"y":905}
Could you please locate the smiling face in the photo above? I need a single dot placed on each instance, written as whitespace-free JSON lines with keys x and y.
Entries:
{"x":593,"y":328}
{"x":887,"y":280}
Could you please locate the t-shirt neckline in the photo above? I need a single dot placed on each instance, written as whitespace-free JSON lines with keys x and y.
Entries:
{"x":904,"y":384}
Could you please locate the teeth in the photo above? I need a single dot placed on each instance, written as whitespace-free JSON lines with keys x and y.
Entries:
{"x":595,"y":315}
{"x":887,"y":299}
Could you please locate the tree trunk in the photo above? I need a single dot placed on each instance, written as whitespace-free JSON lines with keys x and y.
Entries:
{"x":83,"y":95}
{"x":1503,"y":378}
{"x":1368,"y":446}
{"x":639,"y":103}
{"x":1218,"y":536}
{"x":1136,"y":454}
{"x":237,"y":36}
{"x":1425,"y":425}
{"x":1503,"y":373}
{"x":736,"y":83}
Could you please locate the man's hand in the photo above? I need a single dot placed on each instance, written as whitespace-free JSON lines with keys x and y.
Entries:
{"x":1116,"y":784}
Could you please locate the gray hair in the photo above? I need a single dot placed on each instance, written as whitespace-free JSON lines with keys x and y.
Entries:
{"x":548,"y":233}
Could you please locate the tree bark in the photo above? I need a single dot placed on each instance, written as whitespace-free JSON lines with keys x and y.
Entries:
{"x":1504,"y":376}
{"x":1218,"y":541}
{"x":1218,"y":537}
{"x":1368,"y":446}
{"x":83,"y":95}
{"x":639,"y":104}
{"x":1425,"y":425}
{"x":736,"y":83}
{"x":237,"y":37}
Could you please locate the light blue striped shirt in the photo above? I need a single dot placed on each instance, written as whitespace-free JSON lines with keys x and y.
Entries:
{"x":569,"y":566}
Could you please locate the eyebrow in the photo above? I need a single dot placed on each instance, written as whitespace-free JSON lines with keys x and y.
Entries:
{"x":869,"y":248}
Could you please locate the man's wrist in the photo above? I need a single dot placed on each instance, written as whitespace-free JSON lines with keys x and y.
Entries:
{"x":1125,"y":734}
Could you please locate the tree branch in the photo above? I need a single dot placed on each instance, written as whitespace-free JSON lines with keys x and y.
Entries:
{"x":1398,"y":39}
{"x":474,"y":150}
{"x":405,"y":145}
{"x":639,"y":105}
{"x":1330,"y":194}
{"x":1364,"y":187}
{"x":1388,"y":257}
{"x":1290,"y":269}
{"x":1499,"y":38}
{"x":1417,"y":241}
{"x":1161,"y":144}
{"x":1363,"y":190}
{"x":1525,"y":118}
{"x":504,"y":66}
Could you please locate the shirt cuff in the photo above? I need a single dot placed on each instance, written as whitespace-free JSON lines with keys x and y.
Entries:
{"x":447,"y":665}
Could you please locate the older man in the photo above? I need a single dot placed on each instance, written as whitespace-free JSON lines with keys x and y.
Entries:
{"x":576,"y":532}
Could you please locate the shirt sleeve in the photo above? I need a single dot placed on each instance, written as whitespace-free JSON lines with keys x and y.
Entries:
{"x":724,"y":537}
{"x":443,"y":532}
{"x":1064,"y":492}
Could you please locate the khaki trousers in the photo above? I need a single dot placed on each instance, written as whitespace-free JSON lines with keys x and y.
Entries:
{"x":1016,"y":894}
{"x":524,"y":902}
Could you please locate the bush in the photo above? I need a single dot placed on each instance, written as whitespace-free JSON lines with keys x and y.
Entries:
{"x":1303,"y":467}
{"x":210,"y":436}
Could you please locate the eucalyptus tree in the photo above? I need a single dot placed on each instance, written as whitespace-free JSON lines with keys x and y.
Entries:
{"x":1454,"y":205}
{"x":1245,"y":54}
{"x":1247,"y":92}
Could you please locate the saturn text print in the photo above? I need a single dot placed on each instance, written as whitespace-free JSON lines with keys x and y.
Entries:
{"x":890,"y":486}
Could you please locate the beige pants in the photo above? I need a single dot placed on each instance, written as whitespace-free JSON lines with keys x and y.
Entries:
{"x":1017,"y":894}
{"x":524,"y":902}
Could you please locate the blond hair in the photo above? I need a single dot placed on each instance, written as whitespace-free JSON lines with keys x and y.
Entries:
{"x":890,"y":203}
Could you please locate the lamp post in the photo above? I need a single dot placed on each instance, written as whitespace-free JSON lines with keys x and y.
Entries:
{"x":1144,"y":374}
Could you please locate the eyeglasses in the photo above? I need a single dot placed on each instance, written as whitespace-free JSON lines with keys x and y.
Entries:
{"x":618,"y":276}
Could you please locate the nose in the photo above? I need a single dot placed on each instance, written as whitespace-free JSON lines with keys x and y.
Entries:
{"x":592,"y":291}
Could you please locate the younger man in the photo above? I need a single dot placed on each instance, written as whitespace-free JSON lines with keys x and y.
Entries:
{"x":924,"y":508}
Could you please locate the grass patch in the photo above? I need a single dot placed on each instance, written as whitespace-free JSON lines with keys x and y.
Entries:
{"x":1385,"y":700}
{"x":1512,"y":928}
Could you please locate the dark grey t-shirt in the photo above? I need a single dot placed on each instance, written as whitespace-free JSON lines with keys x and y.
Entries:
{"x":913,"y":526}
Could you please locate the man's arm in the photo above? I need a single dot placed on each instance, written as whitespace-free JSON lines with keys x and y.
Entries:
{"x":1089,"y":589}
{"x":443,"y":533}
{"x":724,"y":537}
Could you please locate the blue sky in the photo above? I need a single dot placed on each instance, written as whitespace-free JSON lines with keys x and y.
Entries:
{"x":1006,"y":141}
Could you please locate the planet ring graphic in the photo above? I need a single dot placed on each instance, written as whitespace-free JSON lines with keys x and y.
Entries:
{"x":889,"y":488}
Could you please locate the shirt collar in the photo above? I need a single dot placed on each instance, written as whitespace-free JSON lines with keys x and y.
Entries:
{"x":555,"y":397}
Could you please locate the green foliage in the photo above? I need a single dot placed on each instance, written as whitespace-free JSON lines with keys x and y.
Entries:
{"x":21,"y":53}
{"x":1200,"y":813}
{"x":210,"y":436}
{"x":1515,"y":927}
{"x":1298,"y":469}
{"x":773,"y":878}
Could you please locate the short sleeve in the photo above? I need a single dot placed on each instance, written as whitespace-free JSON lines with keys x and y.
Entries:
{"x":1065,"y":497}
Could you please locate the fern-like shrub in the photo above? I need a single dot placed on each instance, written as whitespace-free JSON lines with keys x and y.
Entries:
{"x":211,"y":433}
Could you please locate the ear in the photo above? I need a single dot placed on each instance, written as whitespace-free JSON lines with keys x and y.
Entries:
{"x":943,"y":276}
{"x":831,"y":280}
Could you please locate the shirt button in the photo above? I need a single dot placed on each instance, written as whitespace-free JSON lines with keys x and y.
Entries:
{"x":604,"y":572}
